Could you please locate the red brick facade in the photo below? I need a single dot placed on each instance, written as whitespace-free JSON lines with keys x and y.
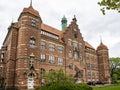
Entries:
{"x":32,"y":48}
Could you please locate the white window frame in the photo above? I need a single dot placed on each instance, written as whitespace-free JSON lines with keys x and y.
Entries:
{"x":60,"y":61}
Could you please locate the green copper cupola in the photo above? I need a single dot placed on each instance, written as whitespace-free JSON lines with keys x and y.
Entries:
{"x":64,"y":22}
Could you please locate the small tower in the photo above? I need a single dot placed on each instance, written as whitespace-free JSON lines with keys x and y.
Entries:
{"x":64,"y":22}
{"x":103,"y":63}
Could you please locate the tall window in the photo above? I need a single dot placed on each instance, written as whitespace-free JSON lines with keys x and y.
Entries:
{"x":33,"y":22}
{"x":75,"y":45}
{"x":69,"y":42}
{"x":70,"y":54}
{"x":76,"y":55}
{"x":88,"y":66}
{"x":51,"y":47}
{"x":60,"y":49}
{"x":80,"y":45}
{"x":51,"y":59}
{"x":60,"y":61}
{"x":80,"y":56}
{"x":89,"y":74}
{"x":2,"y":55}
{"x":31,"y":64}
{"x":42,"y":56}
{"x":43,"y":45}
{"x":2,"y":58}
{"x":32,"y":42}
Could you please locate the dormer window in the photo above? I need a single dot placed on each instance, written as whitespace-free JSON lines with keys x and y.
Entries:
{"x":32,"y":42}
{"x":33,"y":22}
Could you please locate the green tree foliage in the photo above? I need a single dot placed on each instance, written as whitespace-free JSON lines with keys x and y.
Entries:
{"x":57,"y":80}
{"x":115,"y":68}
{"x":109,"y":5}
{"x":57,"y":77}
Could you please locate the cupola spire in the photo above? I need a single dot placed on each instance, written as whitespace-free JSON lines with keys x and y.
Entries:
{"x":64,"y":22}
{"x":30,"y":2}
{"x":100,"y":39}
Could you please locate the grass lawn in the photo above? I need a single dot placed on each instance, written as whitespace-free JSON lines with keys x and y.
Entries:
{"x":115,"y":87}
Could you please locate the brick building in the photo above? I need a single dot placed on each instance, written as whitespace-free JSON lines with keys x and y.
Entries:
{"x":32,"y":48}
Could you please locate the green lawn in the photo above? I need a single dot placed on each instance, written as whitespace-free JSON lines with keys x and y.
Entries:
{"x":115,"y":87}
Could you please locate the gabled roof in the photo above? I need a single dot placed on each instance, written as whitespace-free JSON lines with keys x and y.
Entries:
{"x":88,"y":45}
{"x":51,"y":29}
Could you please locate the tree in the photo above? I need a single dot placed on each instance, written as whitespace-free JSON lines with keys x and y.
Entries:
{"x":114,"y":68}
{"x":58,"y":80}
{"x":109,"y":5}
{"x":57,"y":77}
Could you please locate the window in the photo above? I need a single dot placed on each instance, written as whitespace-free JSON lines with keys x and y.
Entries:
{"x":49,"y":34}
{"x":32,"y":42}
{"x":43,"y":45}
{"x":97,"y":75}
{"x":51,"y":59}
{"x":80,"y":45}
{"x":88,"y":66}
{"x":2,"y":58}
{"x":76,"y":55}
{"x":31,"y":62}
{"x":60,"y":61}
{"x":75,"y":45}
{"x":51,"y":47}
{"x":33,"y":22}
{"x":89,"y":74}
{"x":42,"y":58}
{"x":69,"y":42}
{"x":2,"y":55}
{"x":70,"y":54}
{"x":80,"y":56}
{"x":92,"y":66}
{"x":60,"y":49}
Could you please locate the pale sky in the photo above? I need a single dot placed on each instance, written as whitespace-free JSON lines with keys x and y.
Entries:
{"x":92,"y":23}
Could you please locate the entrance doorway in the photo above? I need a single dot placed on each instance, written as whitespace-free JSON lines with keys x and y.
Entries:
{"x":30,"y":83}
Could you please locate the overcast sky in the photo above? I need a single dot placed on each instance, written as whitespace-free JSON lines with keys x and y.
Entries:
{"x":91,"y":22}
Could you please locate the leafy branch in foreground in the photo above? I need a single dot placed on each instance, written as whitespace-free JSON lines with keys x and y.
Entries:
{"x":109,"y":5}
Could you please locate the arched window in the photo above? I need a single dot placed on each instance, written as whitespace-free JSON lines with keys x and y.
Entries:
{"x":32,"y":42}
